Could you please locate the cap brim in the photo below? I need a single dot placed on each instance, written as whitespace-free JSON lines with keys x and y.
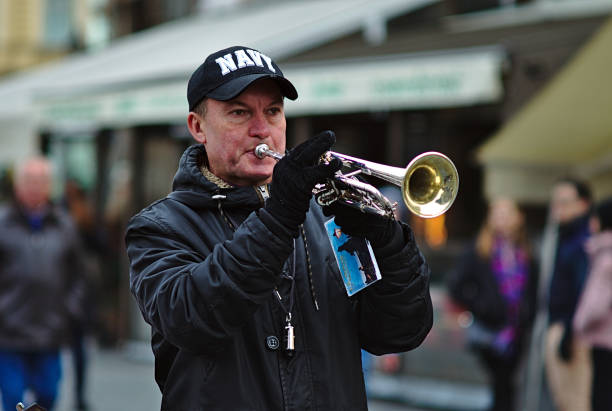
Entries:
{"x":234,"y":87}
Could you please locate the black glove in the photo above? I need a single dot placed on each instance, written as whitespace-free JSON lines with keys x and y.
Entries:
{"x":295,"y":176}
{"x":565,"y":345}
{"x":378,"y":229}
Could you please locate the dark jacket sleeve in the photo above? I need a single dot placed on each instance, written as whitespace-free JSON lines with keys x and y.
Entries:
{"x":76,"y":272}
{"x":464,"y":286}
{"x":473,"y":285}
{"x":396,"y":312}
{"x":529,"y":307}
{"x":566,"y":285}
{"x":198,"y":302}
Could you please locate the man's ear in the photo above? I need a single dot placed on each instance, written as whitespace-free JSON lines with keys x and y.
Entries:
{"x":194,"y":124}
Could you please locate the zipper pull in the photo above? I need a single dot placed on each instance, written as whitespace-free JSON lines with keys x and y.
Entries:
{"x":263,"y":191}
{"x":290,"y":336}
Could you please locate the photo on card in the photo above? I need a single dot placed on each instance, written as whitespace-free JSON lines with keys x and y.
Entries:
{"x":355,"y":259}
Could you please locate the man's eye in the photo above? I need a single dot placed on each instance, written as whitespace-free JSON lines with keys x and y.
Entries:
{"x":274,"y":110}
{"x":238,"y":112}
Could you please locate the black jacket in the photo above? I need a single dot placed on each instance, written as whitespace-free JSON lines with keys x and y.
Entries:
{"x":473,"y":285}
{"x":207,"y":292}
{"x":42,"y":280}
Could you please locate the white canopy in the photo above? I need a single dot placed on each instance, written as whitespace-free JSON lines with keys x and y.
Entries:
{"x":172,"y":51}
{"x":565,"y":129}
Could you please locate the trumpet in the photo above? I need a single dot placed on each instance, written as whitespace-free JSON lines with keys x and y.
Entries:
{"x":429,"y":183}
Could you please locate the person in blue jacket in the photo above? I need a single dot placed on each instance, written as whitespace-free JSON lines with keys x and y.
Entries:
{"x":567,"y":359}
{"x":42,"y":287}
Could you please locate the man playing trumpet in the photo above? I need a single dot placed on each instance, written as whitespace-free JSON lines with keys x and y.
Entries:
{"x":234,"y":272}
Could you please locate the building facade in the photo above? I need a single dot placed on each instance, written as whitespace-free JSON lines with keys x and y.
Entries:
{"x":392,"y":78}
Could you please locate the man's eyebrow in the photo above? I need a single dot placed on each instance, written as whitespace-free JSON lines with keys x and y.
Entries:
{"x":237,"y":101}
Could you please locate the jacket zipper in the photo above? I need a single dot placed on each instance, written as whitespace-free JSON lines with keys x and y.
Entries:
{"x":262,"y":194}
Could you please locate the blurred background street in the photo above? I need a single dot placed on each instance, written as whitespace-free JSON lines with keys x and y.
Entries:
{"x":117,"y":380}
{"x":516,"y":92}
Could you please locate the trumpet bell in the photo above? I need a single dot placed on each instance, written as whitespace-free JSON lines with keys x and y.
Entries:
{"x":430,"y":184}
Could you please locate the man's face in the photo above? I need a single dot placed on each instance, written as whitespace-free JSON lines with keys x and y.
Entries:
{"x":33,"y":184}
{"x":566,"y":205}
{"x":232,"y":129}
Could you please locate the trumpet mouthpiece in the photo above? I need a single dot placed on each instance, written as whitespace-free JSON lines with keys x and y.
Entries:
{"x":260,"y":150}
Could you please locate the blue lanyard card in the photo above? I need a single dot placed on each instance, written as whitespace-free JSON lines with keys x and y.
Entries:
{"x":355,"y":259}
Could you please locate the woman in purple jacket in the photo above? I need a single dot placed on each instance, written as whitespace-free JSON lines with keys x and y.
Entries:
{"x":496,"y":282}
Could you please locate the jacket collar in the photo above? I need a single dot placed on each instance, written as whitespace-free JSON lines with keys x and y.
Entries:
{"x":197,"y":187}
{"x":48,"y":215}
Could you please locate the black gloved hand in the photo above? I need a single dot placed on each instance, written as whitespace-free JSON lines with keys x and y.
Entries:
{"x":565,"y":345}
{"x":295,"y":176}
{"x":378,"y":229}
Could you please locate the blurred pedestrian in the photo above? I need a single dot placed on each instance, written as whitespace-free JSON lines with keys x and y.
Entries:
{"x":234,"y":269}
{"x":40,"y":287}
{"x":497,"y":282}
{"x":568,"y":369}
{"x":593,"y":319}
{"x":92,"y":239}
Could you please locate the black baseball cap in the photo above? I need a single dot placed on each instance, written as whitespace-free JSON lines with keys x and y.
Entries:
{"x":226,"y":73}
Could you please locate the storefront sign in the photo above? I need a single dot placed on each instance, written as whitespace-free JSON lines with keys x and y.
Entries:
{"x":413,"y":82}
{"x":373,"y":84}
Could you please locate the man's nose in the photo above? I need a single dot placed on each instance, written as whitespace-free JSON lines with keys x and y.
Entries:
{"x":259,"y":127}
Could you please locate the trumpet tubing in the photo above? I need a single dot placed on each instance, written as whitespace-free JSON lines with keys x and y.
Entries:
{"x":429,"y":183}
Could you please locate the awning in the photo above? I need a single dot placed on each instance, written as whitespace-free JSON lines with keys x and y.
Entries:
{"x":565,"y":129}
{"x":413,"y":81}
{"x":171,"y":51}
{"x":446,"y":78}
{"x":142,"y":78}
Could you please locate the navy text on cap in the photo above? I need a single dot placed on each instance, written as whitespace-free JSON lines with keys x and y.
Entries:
{"x":226,"y":73}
